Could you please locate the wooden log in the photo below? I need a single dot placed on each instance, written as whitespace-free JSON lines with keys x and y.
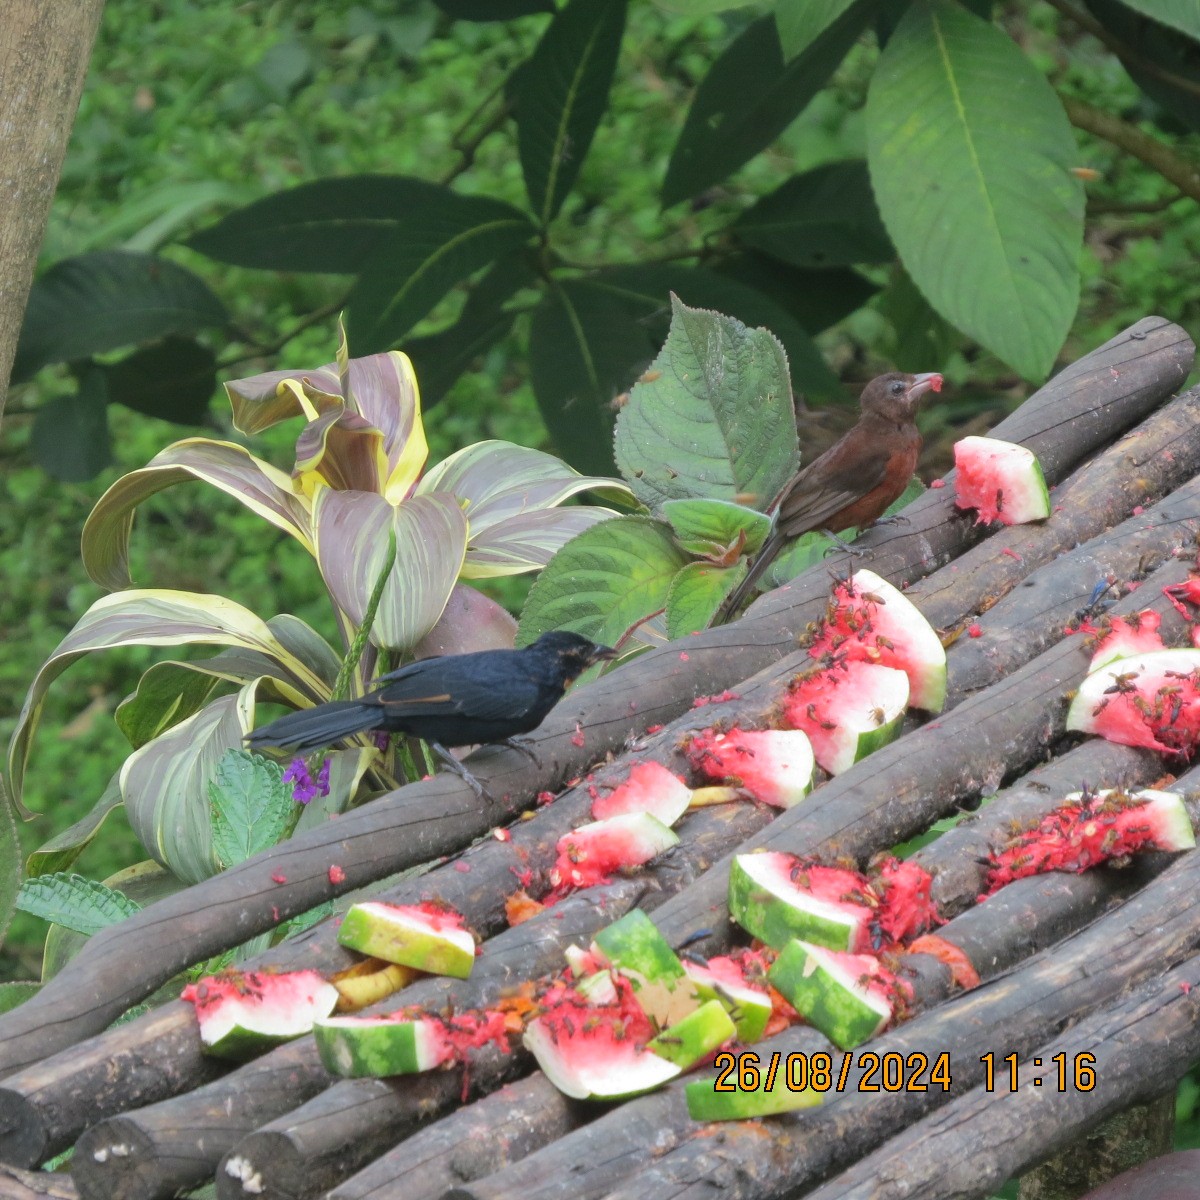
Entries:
{"x":1139,"y":1047}
{"x":18,"y":1184}
{"x":1081,"y":409}
{"x":1012,"y":1014}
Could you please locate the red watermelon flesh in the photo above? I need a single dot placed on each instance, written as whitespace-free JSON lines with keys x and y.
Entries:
{"x":774,"y":765}
{"x":650,"y":788}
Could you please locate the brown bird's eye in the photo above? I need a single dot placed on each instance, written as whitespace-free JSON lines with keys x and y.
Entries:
{"x":897,"y":388}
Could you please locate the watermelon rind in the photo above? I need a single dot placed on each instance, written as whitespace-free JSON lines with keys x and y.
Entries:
{"x":774,"y":765}
{"x":694,"y":1038}
{"x":634,"y":947}
{"x":593,"y":852}
{"x":595,"y":1068}
{"x":405,"y":935}
{"x":354,"y":1047}
{"x":649,"y":788}
{"x":598,"y":988}
{"x":749,"y":1007}
{"x":1097,"y":706}
{"x":827,"y":995}
{"x":766,"y":903}
{"x":705,"y":1103}
{"x":1013,"y":470}
{"x":1166,"y":812}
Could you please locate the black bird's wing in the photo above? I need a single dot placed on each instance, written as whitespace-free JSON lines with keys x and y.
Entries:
{"x":468,"y":685}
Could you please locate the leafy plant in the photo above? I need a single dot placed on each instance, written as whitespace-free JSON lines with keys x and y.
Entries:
{"x":393,"y":542}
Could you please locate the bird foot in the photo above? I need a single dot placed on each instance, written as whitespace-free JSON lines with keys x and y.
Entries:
{"x":894,"y":519}
{"x":519,"y":744}
{"x":841,"y":544}
{"x":456,"y":768}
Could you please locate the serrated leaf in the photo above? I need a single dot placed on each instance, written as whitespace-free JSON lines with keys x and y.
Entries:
{"x":97,"y":302}
{"x":70,"y":439}
{"x":801,"y":22}
{"x":561,"y":94}
{"x":750,"y":96}
{"x":604,"y":582}
{"x":825,"y":217}
{"x":250,"y":805}
{"x":646,"y":291}
{"x":61,"y":851}
{"x":712,"y":418}
{"x":441,"y":239}
{"x":700,"y":525}
{"x":696,"y":594}
{"x":992,"y":236}
{"x":585,"y":348}
{"x":804,"y":552}
{"x":173,"y":380}
{"x":84,"y":905}
{"x":1183,"y":15}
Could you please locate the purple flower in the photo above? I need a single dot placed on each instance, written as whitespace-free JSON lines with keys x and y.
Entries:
{"x":303,"y":787}
{"x":380,"y":738}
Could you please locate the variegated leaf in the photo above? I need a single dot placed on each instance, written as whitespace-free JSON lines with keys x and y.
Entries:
{"x":342,"y":450}
{"x":150,"y":618}
{"x":261,"y":487}
{"x":165,"y":784}
{"x":383,"y":388}
{"x":528,"y":541}
{"x":500,"y":480}
{"x":470,"y":622}
{"x":306,"y":644}
{"x":260,"y":401}
{"x":351,"y":534}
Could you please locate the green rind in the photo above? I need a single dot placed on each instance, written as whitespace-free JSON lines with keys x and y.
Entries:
{"x":635,"y":948}
{"x":1173,"y":825}
{"x":825,"y":997}
{"x":749,"y":1008}
{"x":368,"y":931}
{"x":1081,"y":716}
{"x":250,"y":1037}
{"x":776,"y":920}
{"x":695,"y":1037}
{"x":705,"y":1103}
{"x":357,"y":1047}
{"x":640,"y":1072}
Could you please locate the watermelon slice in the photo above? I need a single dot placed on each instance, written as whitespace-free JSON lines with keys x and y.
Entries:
{"x":1150,"y":700}
{"x":427,"y":936}
{"x":699,"y":1034}
{"x":848,"y":997}
{"x":242,"y":1013}
{"x":650,"y":788}
{"x":847,"y":710}
{"x":774,"y":765}
{"x":1090,"y":828}
{"x":776,"y":897}
{"x":906,"y":908}
{"x":705,"y":1103}
{"x":594,"y":853}
{"x":635,"y":949}
{"x":869,"y":620}
{"x":1000,"y":480}
{"x":723,"y":979}
{"x":1123,"y":637}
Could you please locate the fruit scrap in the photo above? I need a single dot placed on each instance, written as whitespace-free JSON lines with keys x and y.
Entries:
{"x":594,"y":853}
{"x":1000,"y":480}
{"x":428,"y":936}
{"x":1189,"y":590}
{"x":1091,"y":828}
{"x":962,"y":970}
{"x":906,"y":908}
{"x":650,"y":788}
{"x":1122,"y":637}
{"x":520,"y":907}
{"x":368,"y":982}
{"x":774,"y":765}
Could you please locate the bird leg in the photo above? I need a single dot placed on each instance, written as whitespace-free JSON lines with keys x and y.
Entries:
{"x":455,"y":767}
{"x":519,"y":744}
{"x":853,"y":551}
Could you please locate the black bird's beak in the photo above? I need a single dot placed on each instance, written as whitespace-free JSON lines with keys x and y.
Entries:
{"x":602,"y":654}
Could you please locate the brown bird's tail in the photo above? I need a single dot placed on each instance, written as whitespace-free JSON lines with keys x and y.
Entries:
{"x":317,"y":727}
{"x":766,"y":556}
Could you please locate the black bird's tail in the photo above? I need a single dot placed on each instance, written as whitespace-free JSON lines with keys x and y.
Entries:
{"x":318,"y":727}
{"x":766,"y":556}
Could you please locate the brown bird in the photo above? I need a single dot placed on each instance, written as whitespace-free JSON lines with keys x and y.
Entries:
{"x":855,"y":480}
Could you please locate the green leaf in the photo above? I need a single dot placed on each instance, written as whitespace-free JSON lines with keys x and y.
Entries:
{"x":825,"y":217}
{"x":10,"y":856}
{"x":492,"y":10}
{"x":912,"y":490}
{"x":750,"y":96}
{"x":605,"y":581}
{"x":706,"y":527}
{"x":167,"y":693}
{"x":992,"y":235}
{"x":814,"y":299}
{"x":712,"y":418}
{"x":801,"y":22}
{"x":14,"y":994}
{"x":696,"y":594}
{"x":441,"y":238}
{"x":804,"y":552}
{"x":920,"y":339}
{"x":97,"y":302}
{"x":561,"y":94}
{"x":62,"y":850}
{"x":439,"y":359}
{"x":1183,"y":15}
{"x":646,"y":292}
{"x":84,"y":905}
{"x":585,"y":348}
{"x":251,"y":807}
{"x":173,"y":380}
{"x":70,"y":433}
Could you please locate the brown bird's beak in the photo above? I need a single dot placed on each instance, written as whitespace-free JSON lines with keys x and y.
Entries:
{"x":930,"y":382}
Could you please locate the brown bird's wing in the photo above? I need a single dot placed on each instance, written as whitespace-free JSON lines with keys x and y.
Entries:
{"x":846,"y":472}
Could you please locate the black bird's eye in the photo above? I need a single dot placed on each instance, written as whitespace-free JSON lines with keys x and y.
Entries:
{"x":896,"y":388}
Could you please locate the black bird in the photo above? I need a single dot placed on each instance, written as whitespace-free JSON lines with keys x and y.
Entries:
{"x":450,"y":700}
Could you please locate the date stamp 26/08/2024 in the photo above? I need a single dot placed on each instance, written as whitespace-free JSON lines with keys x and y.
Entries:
{"x":867,"y":1071}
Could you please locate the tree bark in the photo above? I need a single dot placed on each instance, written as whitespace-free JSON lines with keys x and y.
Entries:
{"x":44,"y":52}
